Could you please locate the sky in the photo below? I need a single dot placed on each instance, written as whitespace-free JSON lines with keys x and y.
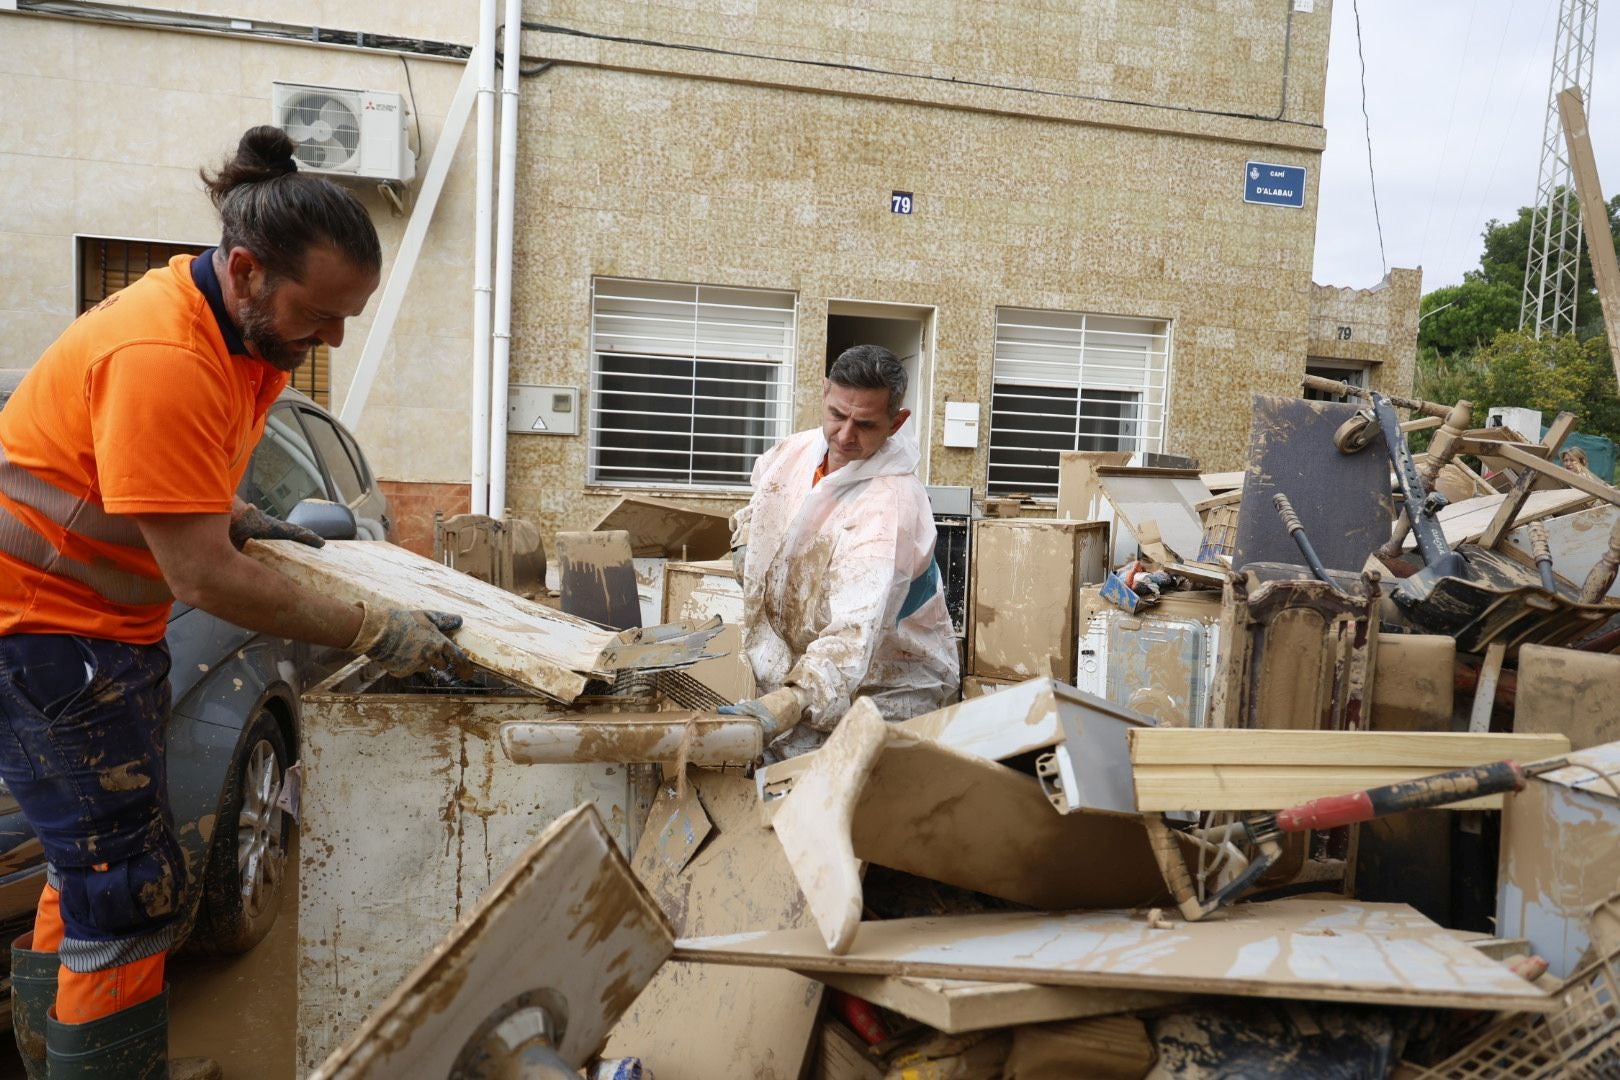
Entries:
{"x":1457,"y":98}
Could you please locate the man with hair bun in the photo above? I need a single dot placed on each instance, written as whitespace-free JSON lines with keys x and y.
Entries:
{"x":835,"y":553}
{"x":120,"y":455}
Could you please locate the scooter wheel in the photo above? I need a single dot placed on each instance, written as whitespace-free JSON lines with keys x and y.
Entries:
{"x":1354,"y":434}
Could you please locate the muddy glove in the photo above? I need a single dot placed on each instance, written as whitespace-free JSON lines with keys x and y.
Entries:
{"x":778,"y":710}
{"x":405,"y":642}
{"x":255,"y":524}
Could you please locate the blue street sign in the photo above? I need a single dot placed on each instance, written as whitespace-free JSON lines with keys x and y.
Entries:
{"x":1276,"y":185}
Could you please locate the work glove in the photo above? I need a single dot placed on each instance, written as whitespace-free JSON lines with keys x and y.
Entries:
{"x":777,"y":711}
{"x":405,"y":642}
{"x":255,"y":524}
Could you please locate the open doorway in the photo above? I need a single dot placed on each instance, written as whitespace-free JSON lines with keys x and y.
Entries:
{"x":906,"y":331}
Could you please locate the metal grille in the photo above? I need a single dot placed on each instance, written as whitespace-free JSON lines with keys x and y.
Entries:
{"x":1070,"y":381}
{"x":690,"y":383}
{"x":107,"y":264}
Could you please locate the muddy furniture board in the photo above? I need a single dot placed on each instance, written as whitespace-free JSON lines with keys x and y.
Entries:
{"x":1568,"y":692}
{"x":669,"y":530}
{"x":567,"y":928}
{"x":1576,"y":540}
{"x":1019,"y":632}
{"x":957,"y":1005}
{"x":597,"y":578}
{"x":524,"y":641}
{"x":877,"y":793}
{"x":1317,"y":950}
{"x":1165,"y":497}
{"x":1260,"y":769}
{"x":410,"y":811}
{"x":1079,"y":494}
{"x":715,"y":868}
{"x":1343,"y":500}
{"x":1560,"y":856}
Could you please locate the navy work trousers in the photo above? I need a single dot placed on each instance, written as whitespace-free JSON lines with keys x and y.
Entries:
{"x":82,"y":750}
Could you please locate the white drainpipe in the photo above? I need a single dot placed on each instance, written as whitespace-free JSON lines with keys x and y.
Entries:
{"x":506,"y":212}
{"x":482,"y":226}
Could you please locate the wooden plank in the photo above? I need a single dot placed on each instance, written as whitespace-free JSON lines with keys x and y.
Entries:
{"x":956,"y":1005}
{"x":1591,"y":485}
{"x":1490,"y":672}
{"x":1162,"y":788}
{"x":527,"y":642}
{"x":1317,"y":950}
{"x":880,"y":794}
{"x":1508,"y":512}
{"x":701,"y":1023}
{"x":1594,"y":214}
{"x":1465,"y":522}
{"x":1435,"y":751}
{"x":567,"y":917}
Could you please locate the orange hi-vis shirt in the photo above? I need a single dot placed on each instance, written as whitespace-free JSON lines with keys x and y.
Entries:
{"x":140,"y":407}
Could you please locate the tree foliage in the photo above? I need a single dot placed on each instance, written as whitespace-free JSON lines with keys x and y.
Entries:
{"x":1469,"y":345}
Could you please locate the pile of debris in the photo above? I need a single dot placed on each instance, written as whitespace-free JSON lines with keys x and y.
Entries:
{"x":1304,"y":771}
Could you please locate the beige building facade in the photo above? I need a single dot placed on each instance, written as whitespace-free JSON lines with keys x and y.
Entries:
{"x":1041,"y":208}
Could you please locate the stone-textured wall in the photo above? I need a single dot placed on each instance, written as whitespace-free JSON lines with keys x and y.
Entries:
{"x":1376,"y":326}
{"x":657,"y":164}
{"x":1219,"y":55}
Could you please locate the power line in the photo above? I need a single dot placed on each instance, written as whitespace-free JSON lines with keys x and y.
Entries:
{"x":1372,"y":179}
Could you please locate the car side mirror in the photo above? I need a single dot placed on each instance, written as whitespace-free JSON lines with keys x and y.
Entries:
{"x":327,"y":520}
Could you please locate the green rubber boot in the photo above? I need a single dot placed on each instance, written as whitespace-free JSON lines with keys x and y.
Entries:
{"x":33,"y":992}
{"x":130,"y":1044}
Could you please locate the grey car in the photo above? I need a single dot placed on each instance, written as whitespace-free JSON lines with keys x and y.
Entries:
{"x":233,"y":731}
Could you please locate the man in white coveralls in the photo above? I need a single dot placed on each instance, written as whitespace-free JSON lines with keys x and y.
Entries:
{"x":835,"y":551}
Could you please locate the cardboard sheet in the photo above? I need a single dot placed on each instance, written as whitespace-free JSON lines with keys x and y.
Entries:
{"x":1318,"y":950}
{"x":568,"y":918}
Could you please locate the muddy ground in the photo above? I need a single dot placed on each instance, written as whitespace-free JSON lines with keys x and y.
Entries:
{"x":240,"y":1010}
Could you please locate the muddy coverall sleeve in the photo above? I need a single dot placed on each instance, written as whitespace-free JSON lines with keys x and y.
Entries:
{"x":864,"y":587}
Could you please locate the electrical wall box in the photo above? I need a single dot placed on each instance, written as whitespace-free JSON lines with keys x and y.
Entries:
{"x":962,"y":424}
{"x":542,"y":410}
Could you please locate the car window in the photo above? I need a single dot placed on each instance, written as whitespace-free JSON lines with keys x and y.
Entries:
{"x":339,"y":466}
{"x":283,"y":472}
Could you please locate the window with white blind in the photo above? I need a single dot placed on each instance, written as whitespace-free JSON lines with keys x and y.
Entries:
{"x":1070,"y":381}
{"x":689,"y":383}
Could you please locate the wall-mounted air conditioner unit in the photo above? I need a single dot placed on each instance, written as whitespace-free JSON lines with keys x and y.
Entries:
{"x":358,"y":133}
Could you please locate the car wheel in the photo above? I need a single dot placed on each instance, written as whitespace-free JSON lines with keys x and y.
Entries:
{"x":247,"y":861}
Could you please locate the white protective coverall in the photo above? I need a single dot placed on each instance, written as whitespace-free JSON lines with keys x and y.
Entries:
{"x":840,"y":593}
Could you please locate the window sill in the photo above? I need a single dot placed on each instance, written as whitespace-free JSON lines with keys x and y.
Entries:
{"x":673,"y":490}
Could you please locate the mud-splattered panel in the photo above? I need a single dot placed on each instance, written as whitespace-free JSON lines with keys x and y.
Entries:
{"x":1318,"y":950}
{"x":567,"y":928}
{"x":410,"y":811}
